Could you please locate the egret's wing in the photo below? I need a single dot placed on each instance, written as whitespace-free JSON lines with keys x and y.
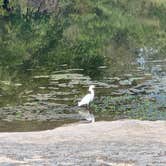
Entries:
{"x":85,"y":100}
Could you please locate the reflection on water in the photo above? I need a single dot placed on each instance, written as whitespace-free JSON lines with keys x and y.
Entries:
{"x":21,"y":126}
{"x":127,"y":87}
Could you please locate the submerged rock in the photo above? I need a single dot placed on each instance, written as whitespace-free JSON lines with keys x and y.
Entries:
{"x":67,"y":76}
{"x":125,"y":82}
{"x":137,"y":91}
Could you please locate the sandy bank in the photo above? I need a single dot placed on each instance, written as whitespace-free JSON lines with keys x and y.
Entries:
{"x":130,"y":142}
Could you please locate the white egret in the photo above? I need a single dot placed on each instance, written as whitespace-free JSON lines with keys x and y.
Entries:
{"x":88,"y":98}
{"x":86,"y":101}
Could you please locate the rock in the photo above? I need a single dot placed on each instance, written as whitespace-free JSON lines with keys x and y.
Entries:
{"x":125,"y":82}
{"x":143,"y":85}
{"x":136,"y":80}
{"x":41,"y":76}
{"x":17,"y":84}
{"x":102,"y":67}
{"x":69,"y":76}
{"x":128,"y":75}
{"x":137,"y":91}
{"x":126,"y":142}
{"x":6,"y":83}
{"x":120,"y":92}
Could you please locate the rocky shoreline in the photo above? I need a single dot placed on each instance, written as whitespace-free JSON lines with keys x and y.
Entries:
{"x":123,"y":142}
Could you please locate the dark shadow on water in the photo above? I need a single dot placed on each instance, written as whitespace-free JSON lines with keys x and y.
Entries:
{"x":24,"y":126}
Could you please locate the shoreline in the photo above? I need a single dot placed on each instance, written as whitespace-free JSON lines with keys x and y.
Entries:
{"x":130,"y":142}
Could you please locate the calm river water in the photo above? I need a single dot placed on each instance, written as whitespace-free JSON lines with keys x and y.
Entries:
{"x":127,"y":87}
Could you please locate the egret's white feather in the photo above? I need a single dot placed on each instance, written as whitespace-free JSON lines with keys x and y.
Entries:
{"x":88,"y":98}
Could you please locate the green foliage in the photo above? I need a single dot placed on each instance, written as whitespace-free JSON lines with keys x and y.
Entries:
{"x":128,"y":106}
{"x":79,"y":32}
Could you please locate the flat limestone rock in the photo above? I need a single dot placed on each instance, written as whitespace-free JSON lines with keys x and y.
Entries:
{"x":119,"y":143}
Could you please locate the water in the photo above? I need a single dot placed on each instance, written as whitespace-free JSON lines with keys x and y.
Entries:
{"x":21,"y":126}
{"x":43,"y":99}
